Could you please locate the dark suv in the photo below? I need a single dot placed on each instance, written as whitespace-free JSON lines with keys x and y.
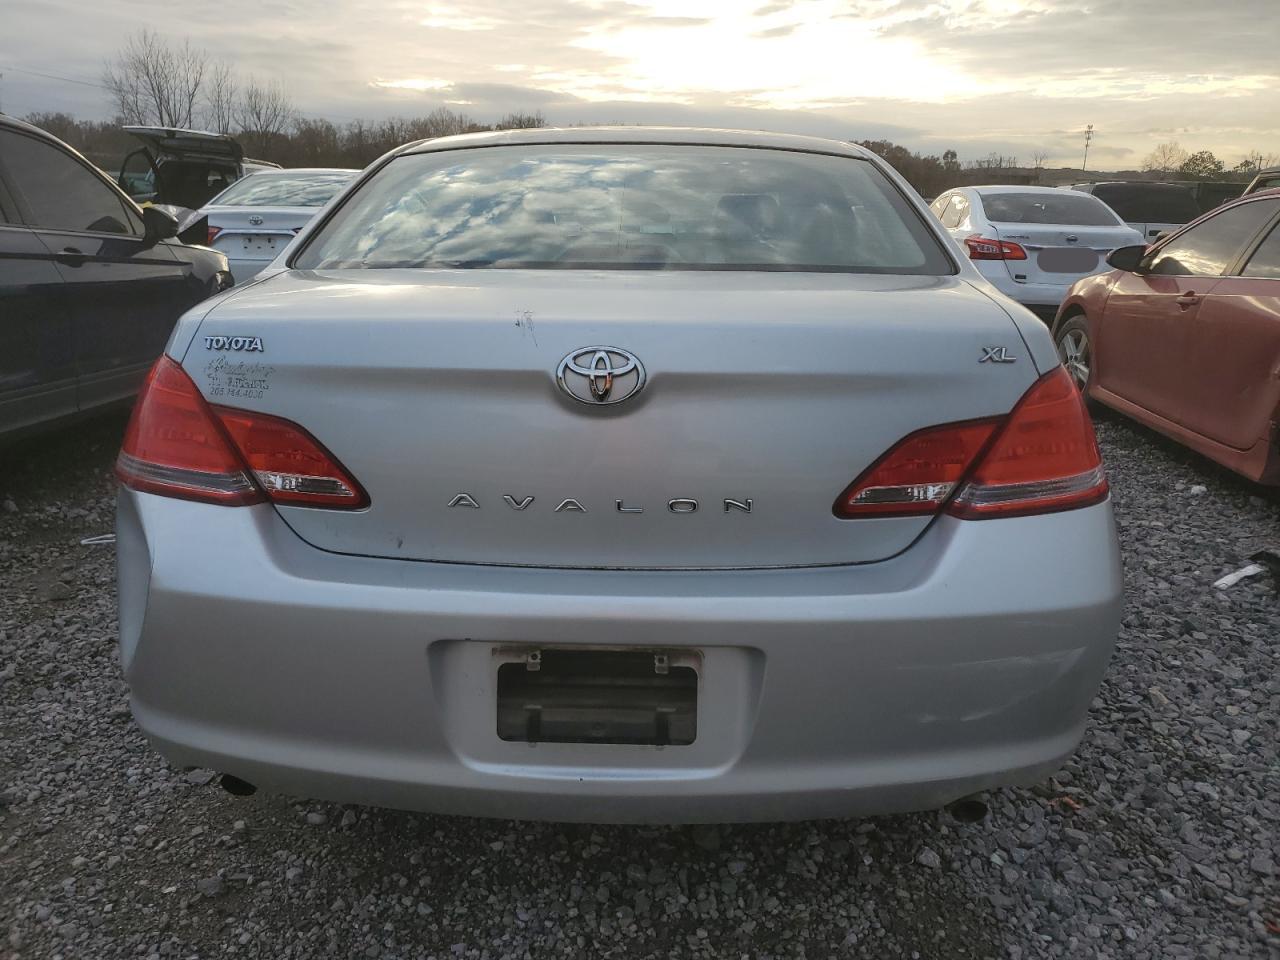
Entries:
{"x":1268,"y":178}
{"x":90,"y":284}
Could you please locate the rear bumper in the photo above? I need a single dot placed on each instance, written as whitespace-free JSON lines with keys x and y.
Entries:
{"x":965,"y":663}
{"x":1048,"y":295}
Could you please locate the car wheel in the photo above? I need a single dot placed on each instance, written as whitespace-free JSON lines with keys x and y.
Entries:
{"x":1075,"y":350}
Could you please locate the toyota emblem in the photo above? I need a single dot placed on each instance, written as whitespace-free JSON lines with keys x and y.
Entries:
{"x":600,"y":375}
{"x":255,"y":219}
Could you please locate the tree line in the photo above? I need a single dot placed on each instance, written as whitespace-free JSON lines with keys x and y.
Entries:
{"x":153,"y":82}
{"x":1170,"y":160}
{"x":305,"y":142}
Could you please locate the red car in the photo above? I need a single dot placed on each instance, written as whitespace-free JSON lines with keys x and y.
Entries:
{"x":1184,"y":335}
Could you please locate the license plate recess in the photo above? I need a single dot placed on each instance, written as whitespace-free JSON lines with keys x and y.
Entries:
{"x":1067,"y":260}
{"x":591,"y":695}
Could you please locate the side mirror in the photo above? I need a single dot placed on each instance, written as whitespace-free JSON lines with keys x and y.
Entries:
{"x":1127,"y":258}
{"x":159,"y":223}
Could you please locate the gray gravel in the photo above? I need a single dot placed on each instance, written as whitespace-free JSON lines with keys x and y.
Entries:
{"x":1159,"y":839}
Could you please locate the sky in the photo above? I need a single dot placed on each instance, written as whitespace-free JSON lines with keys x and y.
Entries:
{"x":1017,"y":77}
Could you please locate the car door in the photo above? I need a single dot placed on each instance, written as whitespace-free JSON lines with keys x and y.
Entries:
{"x":137,"y":176}
{"x":1230,"y":374}
{"x":1141,"y":353}
{"x":37,"y":361}
{"x":123,"y":293}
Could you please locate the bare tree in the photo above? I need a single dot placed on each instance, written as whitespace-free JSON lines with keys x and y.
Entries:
{"x":264,"y":112}
{"x":994,"y":161}
{"x":1038,"y":158}
{"x":519,"y":120}
{"x":1256,"y":160}
{"x":1165,"y":158}
{"x":154,"y":82}
{"x":443,"y":122}
{"x":221,"y":92}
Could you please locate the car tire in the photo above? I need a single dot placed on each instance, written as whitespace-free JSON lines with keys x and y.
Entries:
{"x":1075,"y":349}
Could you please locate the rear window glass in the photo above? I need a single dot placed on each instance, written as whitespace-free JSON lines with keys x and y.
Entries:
{"x":628,"y":206}
{"x":278,"y":190}
{"x":1149,"y":202}
{"x":1066,"y":208}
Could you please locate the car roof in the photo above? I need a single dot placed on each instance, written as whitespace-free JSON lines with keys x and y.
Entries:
{"x":693,"y":136}
{"x":1006,"y":188}
{"x":293,"y":171}
{"x":15,"y":123}
{"x":1156,"y":184}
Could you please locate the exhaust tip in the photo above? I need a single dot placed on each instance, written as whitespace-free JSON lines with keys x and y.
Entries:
{"x":969,"y":809}
{"x":237,"y":787}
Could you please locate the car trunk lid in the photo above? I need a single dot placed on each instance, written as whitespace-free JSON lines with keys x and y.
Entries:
{"x":766,"y":395}
{"x":1060,"y":253}
{"x":256,"y":233}
{"x":170,"y":143}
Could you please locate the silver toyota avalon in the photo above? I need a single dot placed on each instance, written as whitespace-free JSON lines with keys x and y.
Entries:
{"x":616,"y":475}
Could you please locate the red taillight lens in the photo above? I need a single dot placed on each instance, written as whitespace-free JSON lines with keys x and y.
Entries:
{"x":289,"y":463}
{"x":919,"y":474}
{"x":174,"y":446}
{"x":177,"y":445}
{"x":213,"y":232}
{"x":980,"y":248}
{"x":1044,"y":459}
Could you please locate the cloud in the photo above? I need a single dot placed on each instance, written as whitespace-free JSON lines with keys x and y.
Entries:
{"x":1063,"y":39}
{"x":781,"y":31}
{"x":1014,"y":76}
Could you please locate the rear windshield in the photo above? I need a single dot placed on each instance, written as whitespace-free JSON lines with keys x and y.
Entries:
{"x":283,"y":190}
{"x":1149,"y":202}
{"x":1065,"y":208}
{"x":628,"y":206}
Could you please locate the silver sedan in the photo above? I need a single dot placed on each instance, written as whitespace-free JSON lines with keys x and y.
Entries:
{"x":618,"y":475}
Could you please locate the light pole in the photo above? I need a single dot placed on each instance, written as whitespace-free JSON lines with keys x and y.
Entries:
{"x":1088,"y":135}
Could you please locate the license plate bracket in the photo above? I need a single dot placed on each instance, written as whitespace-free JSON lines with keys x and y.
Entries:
{"x":257,"y":243}
{"x":603,"y":696}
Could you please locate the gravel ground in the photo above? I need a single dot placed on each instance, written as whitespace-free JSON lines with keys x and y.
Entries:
{"x":1159,"y":839}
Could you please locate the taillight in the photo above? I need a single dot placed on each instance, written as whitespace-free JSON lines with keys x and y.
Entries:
{"x":174,"y":446}
{"x":919,"y":474}
{"x":1041,"y":458}
{"x":177,"y":445}
{"x":213,"y":232}
{"x":288,"y":463}
{"x":980,"y":248}
{"x":1044,"y":459}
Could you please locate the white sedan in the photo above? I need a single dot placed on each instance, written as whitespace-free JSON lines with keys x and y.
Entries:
{"x":1033,"y":243}
{"x":256,"y":217}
